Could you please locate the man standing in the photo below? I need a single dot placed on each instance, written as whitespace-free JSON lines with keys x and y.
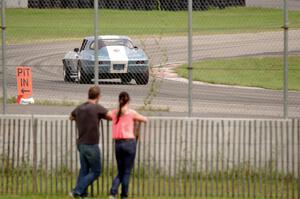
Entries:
{"x":87,"y":117}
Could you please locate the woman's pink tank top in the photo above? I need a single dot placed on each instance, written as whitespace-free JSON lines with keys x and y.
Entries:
{"x":124,"y":129}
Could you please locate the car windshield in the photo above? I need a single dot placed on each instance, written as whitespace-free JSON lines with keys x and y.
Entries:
{"x":112,"y":42}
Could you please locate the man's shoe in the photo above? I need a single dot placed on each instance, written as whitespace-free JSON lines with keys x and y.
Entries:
{"x":74,"y":195}
{"x":85,"y":195}
{"x":112,"y":197}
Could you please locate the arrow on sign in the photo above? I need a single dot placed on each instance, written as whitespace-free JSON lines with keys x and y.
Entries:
{"x":24,"y":90}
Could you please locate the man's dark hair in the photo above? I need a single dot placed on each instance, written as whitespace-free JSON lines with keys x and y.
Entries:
{"x":94,"y":92}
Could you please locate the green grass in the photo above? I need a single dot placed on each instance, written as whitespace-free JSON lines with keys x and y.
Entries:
{"x":66,"y":197}
{"x":152,"y":186}
{"x":10,"y":100}
{"x":29,"y":25}
{"x":25,"y":181}
{"x":264,"y":72}
{"x":13,"y":100}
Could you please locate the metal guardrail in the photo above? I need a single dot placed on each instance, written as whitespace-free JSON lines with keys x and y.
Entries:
{"x":191,"y":157}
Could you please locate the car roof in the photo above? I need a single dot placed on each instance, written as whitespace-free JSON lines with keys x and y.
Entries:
{"x":108,"y":37}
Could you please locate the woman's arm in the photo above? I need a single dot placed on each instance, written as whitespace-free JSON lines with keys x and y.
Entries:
{"x":138,"y":117}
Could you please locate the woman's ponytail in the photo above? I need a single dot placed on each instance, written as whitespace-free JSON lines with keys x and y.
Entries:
{"x":123,"y":100}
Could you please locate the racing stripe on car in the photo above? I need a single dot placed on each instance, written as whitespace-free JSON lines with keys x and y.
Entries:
{"x":117,"y":53}
{"x":118,"y":58}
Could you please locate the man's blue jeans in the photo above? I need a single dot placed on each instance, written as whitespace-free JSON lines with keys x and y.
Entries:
{"x":90,"y":167}
{"x":125,"y":155}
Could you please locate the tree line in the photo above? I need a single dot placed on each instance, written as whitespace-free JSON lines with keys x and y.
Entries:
{"x":170,"y":5}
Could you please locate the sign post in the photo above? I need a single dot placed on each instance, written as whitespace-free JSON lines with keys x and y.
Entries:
{"x":24,"y":82}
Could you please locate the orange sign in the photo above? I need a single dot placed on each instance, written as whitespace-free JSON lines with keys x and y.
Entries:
{"x":24,"y":81}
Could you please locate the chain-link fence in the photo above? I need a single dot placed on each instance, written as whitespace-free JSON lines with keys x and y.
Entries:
{"x":238,"y":67}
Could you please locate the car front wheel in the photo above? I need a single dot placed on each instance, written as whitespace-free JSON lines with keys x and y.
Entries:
{"x":83,"y":78}
{"x":67,"y":77}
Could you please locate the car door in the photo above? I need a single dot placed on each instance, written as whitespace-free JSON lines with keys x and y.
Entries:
{"x":71,"y":58}
{"x":78,"y":51}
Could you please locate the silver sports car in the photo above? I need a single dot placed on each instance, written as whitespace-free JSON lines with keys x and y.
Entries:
{"x":118,"y":59}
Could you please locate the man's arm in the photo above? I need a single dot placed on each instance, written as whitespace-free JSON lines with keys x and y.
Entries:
{"x":72,"y":118}
{"x":103,"y":113}
{"x":108,"y":115}
{"x":73,"y":115}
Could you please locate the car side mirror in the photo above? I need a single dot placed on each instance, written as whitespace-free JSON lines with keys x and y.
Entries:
{"x":76,"y":50}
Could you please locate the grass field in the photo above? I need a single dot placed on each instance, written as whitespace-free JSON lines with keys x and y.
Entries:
{"x":29,"y":25}
{"x":66,"y":197}
{"x":243,"y":183}
{"x":264,"y":72}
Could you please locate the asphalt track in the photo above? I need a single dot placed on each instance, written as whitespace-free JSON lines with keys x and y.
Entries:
{"x":292,"y":4}
{"x":169,"y":93}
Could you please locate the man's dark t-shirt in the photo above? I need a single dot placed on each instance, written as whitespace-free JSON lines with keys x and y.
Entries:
{"x":87,"y":117}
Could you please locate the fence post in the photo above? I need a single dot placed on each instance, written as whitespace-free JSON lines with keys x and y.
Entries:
{"x":285,"y":60}
{"x":3,"y":29}
{"x":34,"y":158}
{"x":190,"y":55}
{"x":96,"y":69}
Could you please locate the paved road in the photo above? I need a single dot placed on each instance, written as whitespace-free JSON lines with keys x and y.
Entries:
{"x":292,"y":4}
{"x":169,"y":93}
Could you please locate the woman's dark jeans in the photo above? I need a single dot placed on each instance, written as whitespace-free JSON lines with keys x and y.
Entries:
{"x":125,"y":155}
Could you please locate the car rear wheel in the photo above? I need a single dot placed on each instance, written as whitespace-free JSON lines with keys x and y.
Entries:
{"x":83,"y":78}
{"x":142,"y":79}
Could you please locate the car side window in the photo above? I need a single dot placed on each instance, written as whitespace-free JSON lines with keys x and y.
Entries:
{"x":83,"y":45}
{"x":101,"y":44}
{"x":129,"y":44}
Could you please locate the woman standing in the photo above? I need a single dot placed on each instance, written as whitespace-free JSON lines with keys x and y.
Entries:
{"x":125,"y":143}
